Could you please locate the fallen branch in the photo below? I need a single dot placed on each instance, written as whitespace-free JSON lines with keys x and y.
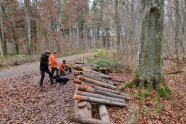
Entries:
{"x":174,"y":72}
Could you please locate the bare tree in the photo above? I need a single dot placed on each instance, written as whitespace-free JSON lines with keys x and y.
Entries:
{"x":4,"y":50}
{"x":27,"y":25}
{"x":117,"y":23}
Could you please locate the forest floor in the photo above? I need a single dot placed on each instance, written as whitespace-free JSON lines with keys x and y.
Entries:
{"x":21,"y":101}
{"x":147,"y":108}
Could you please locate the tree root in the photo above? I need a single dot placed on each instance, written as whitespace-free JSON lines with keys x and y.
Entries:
{"x":160,"y":86}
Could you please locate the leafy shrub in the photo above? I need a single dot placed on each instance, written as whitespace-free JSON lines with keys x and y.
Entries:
{"x":106,"y":58}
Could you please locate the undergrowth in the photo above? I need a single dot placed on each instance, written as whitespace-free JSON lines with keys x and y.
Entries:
{"x":108,"y":58}
{"x":13,"y":60}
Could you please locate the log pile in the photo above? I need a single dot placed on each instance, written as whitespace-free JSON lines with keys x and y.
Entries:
{"x":95,"y":87}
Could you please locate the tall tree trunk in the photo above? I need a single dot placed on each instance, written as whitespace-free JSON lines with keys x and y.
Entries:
{"x":4,"y":50}
{"x":36,"y":47}
{"x":1,"y":51}
{"x":14,"y":36}
{"x":27,"y":25}
{"x":117,"y":23}
{"x":149,"y":70}
{"x":177,"y":39}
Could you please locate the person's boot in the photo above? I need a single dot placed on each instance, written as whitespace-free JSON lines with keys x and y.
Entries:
{"x":51,"y":81}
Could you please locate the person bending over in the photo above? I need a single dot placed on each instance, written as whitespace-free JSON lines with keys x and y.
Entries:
{"x":64,"y":68}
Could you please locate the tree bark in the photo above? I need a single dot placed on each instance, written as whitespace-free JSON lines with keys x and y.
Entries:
{"x":149,"y":70}
{"x":27,"y":25}
{"x":117,"y":23}
{"x":97,"y":100}
{"x":98,"y":83}
{"x":99,"y":96}
{"x":14,"y":36}
{"x":90,"y":89}
{"x":103,"y":113}
{"x":4,"y":49}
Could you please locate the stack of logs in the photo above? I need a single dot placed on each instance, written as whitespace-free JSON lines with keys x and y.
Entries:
{"x":92,"y":86}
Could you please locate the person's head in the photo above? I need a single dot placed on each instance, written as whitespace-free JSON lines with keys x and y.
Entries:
{"x":47,"y":53}
{"x":54,"y":53}
{"x":64,"y":61}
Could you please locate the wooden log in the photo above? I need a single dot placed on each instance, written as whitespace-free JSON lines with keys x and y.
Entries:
{"x":96,"y":73}
{"x":97,"y":100}
{"x":98,"y":83}
{"x":112,"y":91}
{"x":82,"y":110}
{"x":88,"y":88}
{"x":77,"y":81}
{"x":78,"y":68}
{"x":103,"y":113}
{"x":83,"y":120}
{"x":93,"y":76}
{"x":98,"y":78}
{"x":99,"y":96}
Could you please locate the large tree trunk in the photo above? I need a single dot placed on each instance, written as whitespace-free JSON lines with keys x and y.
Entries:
{"x":27,"y":24}
{"x":4,"y":50}
{"x":14,"y":36}
{"x":117,"y":23}
{"x":149,"y":71}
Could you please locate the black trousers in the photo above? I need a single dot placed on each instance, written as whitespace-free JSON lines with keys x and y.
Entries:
{"x":54,"y":69}
{"x":43,"y":76}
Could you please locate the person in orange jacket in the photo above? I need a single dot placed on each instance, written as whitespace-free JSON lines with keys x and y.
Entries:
{"x":53,"y":63}
{"x":64,"y":68}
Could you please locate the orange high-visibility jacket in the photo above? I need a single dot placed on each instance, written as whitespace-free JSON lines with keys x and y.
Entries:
{"x":62,"y":67}
{"x":53,"y":62}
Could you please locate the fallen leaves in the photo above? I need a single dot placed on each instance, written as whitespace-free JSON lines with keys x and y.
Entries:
{"x":21,"y":101}
{"x":151,"y":109}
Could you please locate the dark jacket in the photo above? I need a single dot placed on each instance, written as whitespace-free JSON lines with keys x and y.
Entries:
{"x":44,"y":62}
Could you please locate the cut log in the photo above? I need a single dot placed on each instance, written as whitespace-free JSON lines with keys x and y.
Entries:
{"x":83,"y":110}
{"x":103,"y":113}
{"x":98,"y":83}
{"x":77,"y":68}
{"x":83,"y":120}
{"x":111,"y":91}
{"x":99,"y":96}
{"x":98,"y":78}
{"x":88,"y":88}
{"x":103,"y":89}
{"x":97,"y":100}
{"x":82,"y":104}
{"x":93,"y":76}
{"x":97,"y":73}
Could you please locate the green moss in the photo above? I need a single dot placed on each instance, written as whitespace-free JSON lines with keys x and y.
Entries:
{"x":159,"y":106}
{"x":146,"y":110}
{"x":164,"y":91}
{"x":143,"y":95}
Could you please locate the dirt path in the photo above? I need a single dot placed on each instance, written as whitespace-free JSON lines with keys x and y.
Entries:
{"x":30,"y":67}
